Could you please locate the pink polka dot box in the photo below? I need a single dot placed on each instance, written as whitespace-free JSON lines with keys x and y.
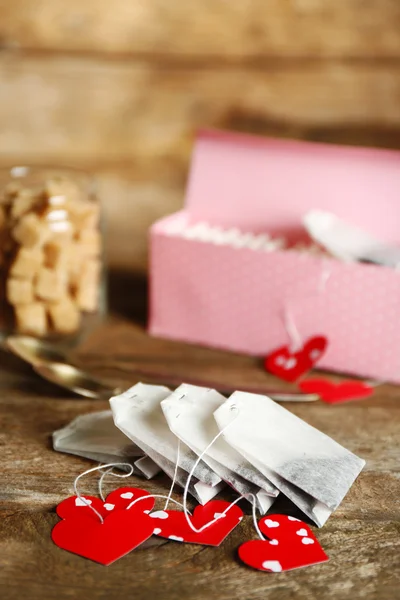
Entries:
{"x":236,"y":270}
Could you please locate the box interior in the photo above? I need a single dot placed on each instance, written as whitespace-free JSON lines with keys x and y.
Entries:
{"x":263,"y":185}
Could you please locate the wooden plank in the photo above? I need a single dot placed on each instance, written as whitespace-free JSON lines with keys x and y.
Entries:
{"x":234,"y":30}
{"x":75,"y":110}
{"x":361,"y":537}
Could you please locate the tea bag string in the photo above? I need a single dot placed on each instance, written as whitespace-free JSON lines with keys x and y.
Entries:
{"x":109,"y":468}
{"x":296,"y":342}
{"x":295,"y":339}
{"x":178,"y":450}
{"x":100,"y":468}
{"x":110,"y":472}
{"x":221,"y":515}
{"x":167,"y":498}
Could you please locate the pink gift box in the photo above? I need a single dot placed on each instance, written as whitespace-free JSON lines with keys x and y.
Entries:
{"x":239,"y":296}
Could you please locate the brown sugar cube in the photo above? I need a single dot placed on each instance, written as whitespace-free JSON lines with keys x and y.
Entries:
{"x":50,"y":284}
{"x":27,"y":262}
{"x":58,"y":221}
{"x":22,"y":203}
{"x":30,"y":231}
{"x":19,"y":291}
{"x":56,"y":255}
{"x":85,"y":215}
{"x":87,"y":289}
{"x":59,"y":190}
{"x":90,"y":242}
{"x":11,"y":190}
{"x":64,"y":316}
{"x":74,"y":262}
{"x":31,"y":319}
{"x":91,"y":269}
{"x":87,"y":297}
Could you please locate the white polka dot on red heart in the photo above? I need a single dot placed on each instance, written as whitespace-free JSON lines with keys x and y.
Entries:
{"x":274,"y":542}
{"x":175,"y":538}
{"x":82,"y":501}
{"x":271,"y":523}
{"x":302,"y":532}
{"x":159,"y":514}
{"x":108,"y":506}
{"x":290,"y":363}
{"x":280,"y":360}
{"x":272,"y":565}
{"x":127,"y":495}
{"x":146,"y":512}
{"x":315,"y":354}
{"x":156,"y":531}
{"x":307,"y":540}
{"x":293,"y":519}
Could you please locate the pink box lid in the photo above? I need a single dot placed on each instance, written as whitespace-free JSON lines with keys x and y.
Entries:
{"x":262,"y":184}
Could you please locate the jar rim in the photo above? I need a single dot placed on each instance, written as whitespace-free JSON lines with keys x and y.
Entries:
{"x":23,"y":171}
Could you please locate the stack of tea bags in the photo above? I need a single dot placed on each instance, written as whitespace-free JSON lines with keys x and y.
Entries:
{"x":247,"y":441}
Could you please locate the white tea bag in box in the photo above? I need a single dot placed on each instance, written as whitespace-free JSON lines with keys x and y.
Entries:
{"x":137,"y":412}
{"x":347,"y":242}
{"x":310,"y":468}
{"x":189,"y":412}
{"x":95,"y":436}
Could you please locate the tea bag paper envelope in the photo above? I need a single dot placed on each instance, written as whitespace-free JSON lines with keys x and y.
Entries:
{"x":348,"y":242}
{"x":137,"y":412}
{"x":95,"y":436}
{"x":147,"y":467}
{"x":313,"y":470}
{"x":189,"y":412}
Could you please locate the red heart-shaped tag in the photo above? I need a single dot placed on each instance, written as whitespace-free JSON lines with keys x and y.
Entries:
{"x":291,"y":545}
{"x":289,"y":365}
{"x":334,"y":393}
{"x":82,"y":532}
{"x":172,"y":524}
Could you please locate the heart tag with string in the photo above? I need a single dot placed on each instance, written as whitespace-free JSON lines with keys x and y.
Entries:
{"x":291,"y":545}
{"x":104,"y":531}
{"x":290,"y":366}
{"x":173,"y":525}
{"x":335,"y":393}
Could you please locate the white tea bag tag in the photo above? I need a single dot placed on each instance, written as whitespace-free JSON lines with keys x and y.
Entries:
{"x":347,"y":242}
{"x":137,"y":412}
{"x":289,"y":451}
{"x":189,"y":411}
{"x":95,"y":436}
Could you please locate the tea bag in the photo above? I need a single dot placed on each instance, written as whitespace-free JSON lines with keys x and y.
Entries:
{"x":137,"y":412}
{"x":348,"y":242}
{"x":189,"y":412}
{"x":95,"y":436}
{"x":310,"y":468}
{"x":147,"y":467}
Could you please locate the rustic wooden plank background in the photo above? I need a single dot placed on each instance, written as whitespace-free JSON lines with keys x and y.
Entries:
{"x":120,"y":88}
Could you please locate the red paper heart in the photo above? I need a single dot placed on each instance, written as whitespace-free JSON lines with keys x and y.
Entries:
{"x":82,"y":532}
{"x":291,"y":545}
{"x":172,"y":524}
{"x":289,"y":365}
{"x":334,"y":393}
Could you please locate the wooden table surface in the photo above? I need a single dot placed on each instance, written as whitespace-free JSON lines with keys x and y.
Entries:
{"x":362,"y":538}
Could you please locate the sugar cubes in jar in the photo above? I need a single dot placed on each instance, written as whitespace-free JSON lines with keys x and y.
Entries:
{"x":51,"y":253}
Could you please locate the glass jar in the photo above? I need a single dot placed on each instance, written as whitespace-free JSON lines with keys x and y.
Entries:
{"x":52,"y":277}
